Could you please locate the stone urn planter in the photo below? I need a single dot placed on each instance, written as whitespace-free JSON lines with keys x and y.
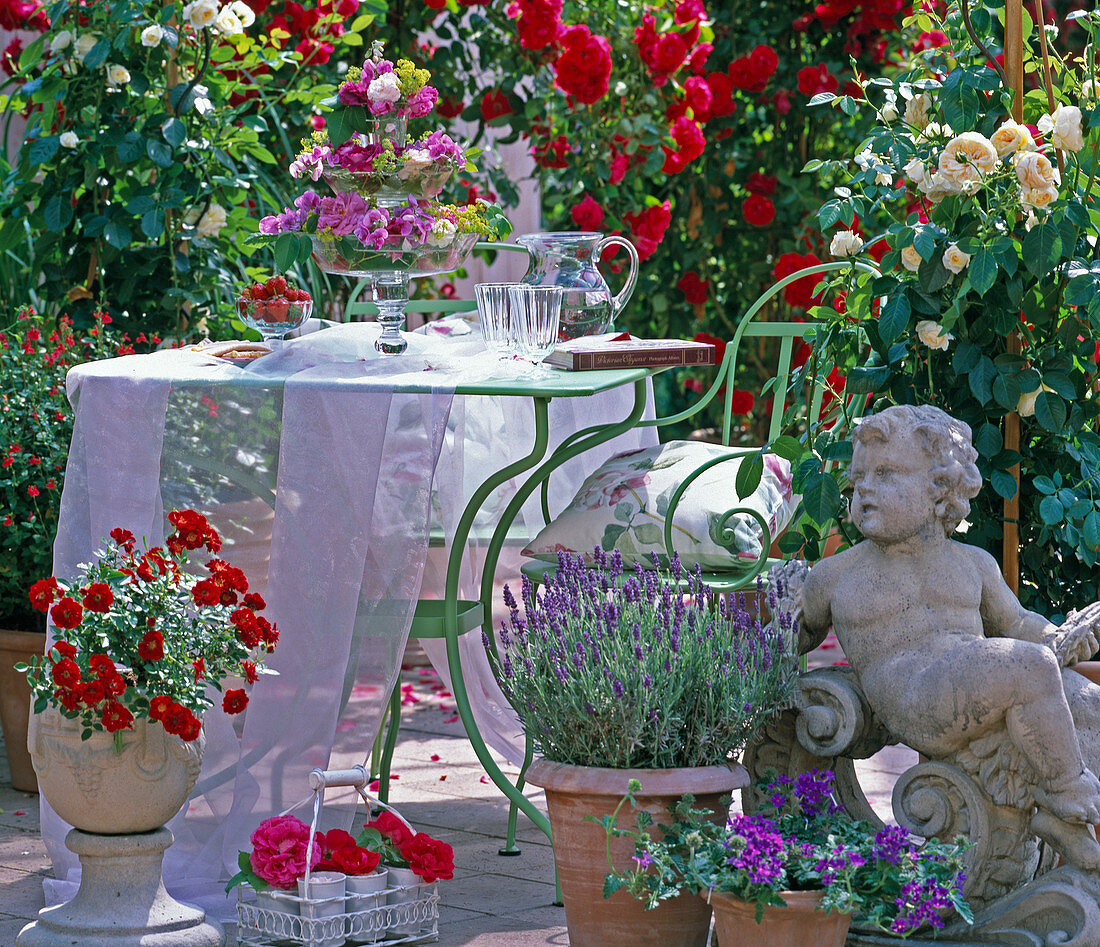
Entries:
{"x":118,"y":803}
{"x":17,"y":647}
{"x":799,"y":923}
{"x":573,"y":792}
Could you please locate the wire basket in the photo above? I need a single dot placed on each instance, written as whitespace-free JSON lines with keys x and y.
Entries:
{"x":397,"y":914}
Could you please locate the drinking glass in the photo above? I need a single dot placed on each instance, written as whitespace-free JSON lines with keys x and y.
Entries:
{"x":494,"y":309}
{"x":536,"y":313}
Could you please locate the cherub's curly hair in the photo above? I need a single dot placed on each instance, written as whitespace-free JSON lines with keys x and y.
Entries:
{"x":946,"y":440}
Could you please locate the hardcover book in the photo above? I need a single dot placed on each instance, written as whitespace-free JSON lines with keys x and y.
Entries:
{"x":622,"y":350}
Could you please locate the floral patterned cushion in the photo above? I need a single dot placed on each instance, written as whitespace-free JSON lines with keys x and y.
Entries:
{"x":623,"y":504}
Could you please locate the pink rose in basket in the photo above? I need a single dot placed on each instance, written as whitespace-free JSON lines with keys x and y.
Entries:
{"x":279,"y":851}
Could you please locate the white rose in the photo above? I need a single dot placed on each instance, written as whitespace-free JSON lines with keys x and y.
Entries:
{"x":228,"y":23}
{"x":152,"y":35}
{"x":889,"y":111}
{"x":1025,"y":407}
{"x":442,"y":233}
{"x":954,"y":258}
{"x":84,"y":45}
{"x":117,"y":75}
{"x":60,"y":40}
{"x":930,"y":334}
{"x":1038,"y":198}
{"x":201,"y":13}
{"x":910,"y":259}
{"x":211,"y":223}
{"x":384,"y":88}
{"x":918,"y":110}
{"x":69,"y":140}
{"x":845,"y":243}
{"x":1012,"y":137}
{"x":918,"y":174}
{"x":941,"y":185}
{"x":1067,"y":128}
{"x":1088,"y":92}
{"x":243,"y":12}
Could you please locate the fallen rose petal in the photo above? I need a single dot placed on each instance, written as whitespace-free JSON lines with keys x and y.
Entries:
{"x":17,"y":812}
{"x":373,"y":785}
{"x":485,"y":779}
{"x":453,"y":719}
{"x":434,"y":757}
{"x":441,"y":778}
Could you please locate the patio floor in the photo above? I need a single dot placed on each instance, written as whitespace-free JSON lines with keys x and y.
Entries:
{"x":493,"y":900}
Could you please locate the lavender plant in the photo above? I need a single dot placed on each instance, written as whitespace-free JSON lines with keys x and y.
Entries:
{"x":637,"y":670}
{"x":800,"y":840}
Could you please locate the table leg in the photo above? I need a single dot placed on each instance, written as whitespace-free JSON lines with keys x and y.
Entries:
{"x":496,"y":544}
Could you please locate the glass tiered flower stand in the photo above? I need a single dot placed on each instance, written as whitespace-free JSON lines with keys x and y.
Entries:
{"x":390,"y":272}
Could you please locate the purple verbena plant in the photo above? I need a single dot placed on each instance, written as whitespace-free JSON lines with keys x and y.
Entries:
{"x":647,"y":670}
{"x":800,"y":840}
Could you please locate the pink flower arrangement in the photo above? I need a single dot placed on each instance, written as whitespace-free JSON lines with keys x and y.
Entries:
{"x":279,"y":847}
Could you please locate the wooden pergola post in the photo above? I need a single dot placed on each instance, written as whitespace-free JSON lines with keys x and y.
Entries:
{"x":1014,"y":69}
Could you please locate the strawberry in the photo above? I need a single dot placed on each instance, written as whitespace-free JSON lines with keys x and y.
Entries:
{"x":276,"y":286}
{"x":258,"y":292}
{"x":277,"y":310}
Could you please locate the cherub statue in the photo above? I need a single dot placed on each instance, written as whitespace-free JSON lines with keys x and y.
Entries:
{"x":943,"y":650}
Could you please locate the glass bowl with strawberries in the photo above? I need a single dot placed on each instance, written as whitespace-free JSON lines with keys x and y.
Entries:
{"x":274,"y":308}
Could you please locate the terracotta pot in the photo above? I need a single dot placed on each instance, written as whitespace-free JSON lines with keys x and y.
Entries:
{"x":573,"y":792}
{"x":15,"y":703}
{"x":799,"y":924}
{"x":107,"y":793}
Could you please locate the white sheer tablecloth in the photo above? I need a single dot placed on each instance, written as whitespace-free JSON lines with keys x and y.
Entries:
{"x":316,"y":464}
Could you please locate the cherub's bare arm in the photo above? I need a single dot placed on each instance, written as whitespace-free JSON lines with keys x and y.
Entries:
{"x":1077,"y":639}
{"x":817,"y":616}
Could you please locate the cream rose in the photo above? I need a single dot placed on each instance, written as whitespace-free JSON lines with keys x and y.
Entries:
{"x":211,"y":223}
{"x":1025,"y":407}
{"x":941,"y":185}
{"x":69,"y":140}
{"x":1088,"y":92}
{"x":243,"y":12}
{"x":84,"y":45}
{"x":967,"y":159}
{"x":929,"y":333}
{"x":918,"y":110}
{"x":228,"y":23}
{"x":62,"y":39}
{"x":201,"y":13}
{"x":152,"y":35}
{"x":1038,"y":198}
{"x":1012,"y":137}
{"x":889,"y":111}
{"x":955,"y":259}
{"x":910,"y":259}
{"x":918,"y":174}
{"x":1034,"y":170}
{"x":117,"y":75}
{"x":845,"y":243}
{"x":1067,"y":128}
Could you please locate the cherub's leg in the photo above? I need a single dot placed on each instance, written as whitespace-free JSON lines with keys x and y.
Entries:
{"x":1073,"y":841}
{"x":1083,"y":698}
{"x":970,"y":689}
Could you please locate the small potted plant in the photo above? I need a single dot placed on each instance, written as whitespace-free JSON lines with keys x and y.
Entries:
{"x":645,"y":676}
{"x":798,"y":871}
{"x":139,"y":644}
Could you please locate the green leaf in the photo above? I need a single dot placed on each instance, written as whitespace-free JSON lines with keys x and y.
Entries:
{"x":1044,"y":484}
{"x":820,"y":498}
{"x":1050,"y":411}
{"x":286,"y":251}
{"x":611,"y":884}
{"x":174,"y":132}
{"x":987,"y":440}
{"x":983,"y":271}
{"x":58,"y":212}
{"x":1042,"y":248}
{"x":924,"y":242}
{"x":1090,"y":530}
{"x":1050,"y":511}
{"x":98,"y":54}
{"x":981,"y":379}
{"x":117,"y":235}
{"x":894,"y":319}
{"x":1003,"y":483}
{"x":749,"y":472}
{"x":43,"y":149}
{"x":152,"y":223}
{"x":159,"y":152}
{"x":130,"y":148}
{"x":787,"y":447}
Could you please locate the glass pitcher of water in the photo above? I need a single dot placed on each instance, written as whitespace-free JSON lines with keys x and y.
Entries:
{"x":569,"y":260}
